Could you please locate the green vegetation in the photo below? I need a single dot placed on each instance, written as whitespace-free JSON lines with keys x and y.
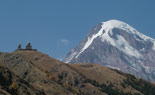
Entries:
{"x":109,"y":89}
{"x":141,"y":85}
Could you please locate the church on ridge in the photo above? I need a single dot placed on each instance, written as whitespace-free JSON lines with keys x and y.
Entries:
{"x":28,"y":47}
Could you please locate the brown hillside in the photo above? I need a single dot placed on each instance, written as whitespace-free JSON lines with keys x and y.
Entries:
{"x":57,"y":78}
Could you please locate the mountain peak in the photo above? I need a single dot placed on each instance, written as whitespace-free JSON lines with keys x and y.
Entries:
{"x":118,"y":45}
{"x":113,"y":24}
{"x":106,"y":32}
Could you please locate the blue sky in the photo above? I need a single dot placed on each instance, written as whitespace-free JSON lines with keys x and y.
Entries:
{"x":56,"y":26}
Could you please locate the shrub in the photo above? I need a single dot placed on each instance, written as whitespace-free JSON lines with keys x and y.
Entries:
{"x":14,"y":85}
{"x":51,"y":77}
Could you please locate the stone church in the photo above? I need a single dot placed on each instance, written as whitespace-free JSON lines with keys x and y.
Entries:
{"x":28,"y":47}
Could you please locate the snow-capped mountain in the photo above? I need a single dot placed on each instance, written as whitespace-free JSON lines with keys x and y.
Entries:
{"x":117,"y":45}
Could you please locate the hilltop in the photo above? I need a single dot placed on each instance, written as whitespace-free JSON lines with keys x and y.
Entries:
{"x":34,"y":73}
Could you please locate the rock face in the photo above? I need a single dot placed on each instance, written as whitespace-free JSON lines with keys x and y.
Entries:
{"x":117,"y":45}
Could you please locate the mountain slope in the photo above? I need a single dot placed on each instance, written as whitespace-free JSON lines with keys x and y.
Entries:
{"x":10,"y":84}
{"x":117,"y":45}
{"x":52,"y":77}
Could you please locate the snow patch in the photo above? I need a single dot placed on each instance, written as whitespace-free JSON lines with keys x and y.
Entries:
{"x":134,"y":68}
{"x":148,"y":69}
{"x":70,"y":57}
{"x":89,"y":41}
{"x":121,"y":25}
{"x":113,"y":67}
{"x":154,"y":46}
{"x":122,"y":45}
